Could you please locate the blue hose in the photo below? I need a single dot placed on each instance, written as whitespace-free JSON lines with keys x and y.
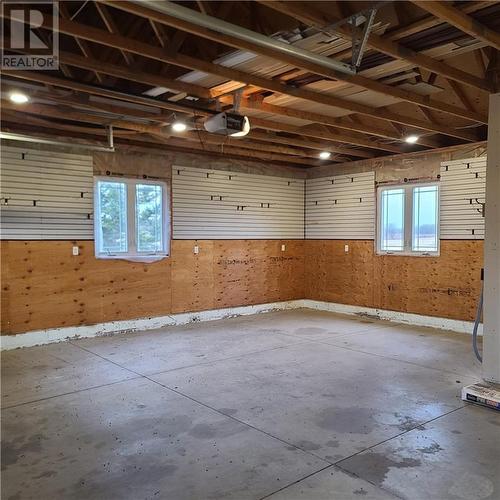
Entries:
{"x":476,"y":326}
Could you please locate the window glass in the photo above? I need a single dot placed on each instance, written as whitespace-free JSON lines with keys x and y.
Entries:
{"x":392,"y":231}
{"x":149,"y":220}
{"x":425,"y":214}
{"x":112,"y":198}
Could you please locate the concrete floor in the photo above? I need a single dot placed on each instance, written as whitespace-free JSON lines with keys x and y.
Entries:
{"x":284,"y":405}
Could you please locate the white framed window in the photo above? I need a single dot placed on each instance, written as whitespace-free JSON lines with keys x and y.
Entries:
{"x":131,"y":218}
{"x":408,"y":219}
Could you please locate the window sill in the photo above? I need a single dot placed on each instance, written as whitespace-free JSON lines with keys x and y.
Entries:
{"x":133,"y":258}
{"x":409,"y":254}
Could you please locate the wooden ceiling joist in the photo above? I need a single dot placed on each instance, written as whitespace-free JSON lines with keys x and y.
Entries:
{"x":341,"y":122}
{"x":315,"y":131}
{"x":290,"y":154}
{"x":134,"y":75}
{"x":298,"y":62}
{"x":39,"y":77}
{"x":428,"y":22}
{"x":102,"y":37}
{"x":319,"y":146}
{"x":448,"y":13}
{"x":275,"y":126}
{"x":313,"y":18}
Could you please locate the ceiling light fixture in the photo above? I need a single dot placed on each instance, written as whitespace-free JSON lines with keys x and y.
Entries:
{"x":179,"y":127}
{"x":18,"y":97}
{"x":412,"y":139}
{"x":324,"y":155}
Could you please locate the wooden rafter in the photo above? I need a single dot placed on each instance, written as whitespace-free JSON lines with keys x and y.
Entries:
{"x":268,"y":124}
{"x":146,"y":50}
{"x":309,"y":16}
{"x":341,"y":123}
{"x":298,"y":62}
{"x":134,"y":76}
{"x":110,"y":24}
{"x":290,"y":154}
{"x":428,"y":22}
{"x":446,"y":12}
{"x":82,"y":44}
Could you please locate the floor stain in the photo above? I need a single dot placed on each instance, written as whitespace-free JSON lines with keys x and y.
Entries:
{"x":308,"y":445}
{"x":374,"y":467}
{"x":361,"y":491}
{"x":430,"y":450}
{"x":347,"y":420}
{"x":13,"y":451}
{"x":407,"y":423}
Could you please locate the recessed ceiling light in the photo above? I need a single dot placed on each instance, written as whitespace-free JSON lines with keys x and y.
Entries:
{"x":412,"y":139}
{"x":179,"y":127}
{"x":18,"y":97}
{"x":324,"y":155}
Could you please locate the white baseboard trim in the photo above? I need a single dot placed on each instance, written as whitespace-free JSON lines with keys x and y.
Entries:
{"x":41,"y":337}
{"x":396,"y":316}
{"x":51,"y":335}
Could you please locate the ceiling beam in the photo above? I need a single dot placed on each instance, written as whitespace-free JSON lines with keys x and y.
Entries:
{"x":39,"y":77}
{"x":110,"y":24}
{"x":102,"y":37}
{"x":285,"y":154}
{"x":446,"y":12}
{"x":150,"y":141}
{"x":428,"y":22}
{"x":82,"y":44}
{"x":313,"y":67}
{"x":315,"y":131}
{"x":313,"y":18}
{"x":341,"y":122}
{"x":134,"y":75}
{"x":319,"y":146}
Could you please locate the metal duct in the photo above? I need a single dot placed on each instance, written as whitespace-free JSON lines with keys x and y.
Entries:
{"x":218,"y":25}
{"x":41,"y":140}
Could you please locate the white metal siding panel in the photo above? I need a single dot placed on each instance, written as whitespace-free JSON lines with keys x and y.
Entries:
{"x":463,"y":185}
{"x":215,"y":204}
{"x":45,"y":195}
{"x":341,"y":207}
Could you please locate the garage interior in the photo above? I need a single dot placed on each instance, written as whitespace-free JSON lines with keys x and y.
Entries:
{"x":250,"y":250}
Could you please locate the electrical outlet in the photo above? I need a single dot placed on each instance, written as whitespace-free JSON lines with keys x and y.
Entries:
{"x":76,"y":251}
{"x":196,"y":250}
{"x":346,"y":248}
{"x":283,"y":248}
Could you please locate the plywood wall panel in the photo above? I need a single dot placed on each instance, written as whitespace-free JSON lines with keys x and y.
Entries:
{"x":192,"y":276}
{"x":45,"y":286}
{"x":48,"y":287}
{"x":334,"y":275}
{"x":446,"y":286}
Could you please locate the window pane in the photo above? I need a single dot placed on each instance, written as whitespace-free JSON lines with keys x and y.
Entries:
{"x":113,"y":216}
{"x":149,"y":218}
{"x":392,"y":216}
{"x":425,"y":223}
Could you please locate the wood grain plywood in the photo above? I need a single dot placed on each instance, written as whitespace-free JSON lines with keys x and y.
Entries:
{"x":192,"y":276}
{"x":447,"y":286}
{"x":45,"y":286}
{"x":48,"y":287}
{"x":334,"y":275}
